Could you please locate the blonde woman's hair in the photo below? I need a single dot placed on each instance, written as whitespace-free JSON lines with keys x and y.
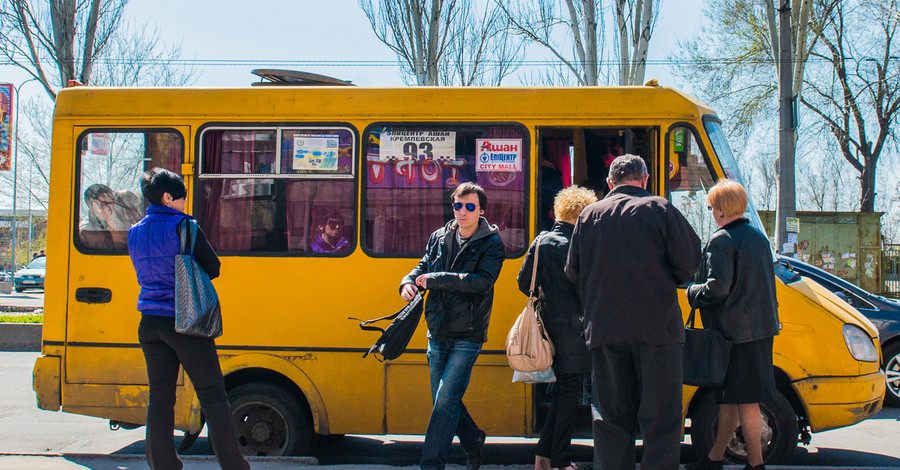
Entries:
{"x":569,"y":202}
{"x":729,"y":197}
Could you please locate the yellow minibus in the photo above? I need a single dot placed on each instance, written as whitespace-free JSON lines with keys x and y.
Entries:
{"x":319,"y":199}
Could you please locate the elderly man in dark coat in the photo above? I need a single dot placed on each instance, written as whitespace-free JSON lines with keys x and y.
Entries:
{"x":628,"y":254}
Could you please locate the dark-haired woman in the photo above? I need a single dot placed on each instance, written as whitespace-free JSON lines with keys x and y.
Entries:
{"x":153,"y":243}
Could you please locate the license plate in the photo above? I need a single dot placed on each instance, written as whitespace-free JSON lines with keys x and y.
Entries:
{"x":29,"y":282}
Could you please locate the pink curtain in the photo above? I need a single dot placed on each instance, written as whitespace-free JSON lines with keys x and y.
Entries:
{"x":558,"y":153}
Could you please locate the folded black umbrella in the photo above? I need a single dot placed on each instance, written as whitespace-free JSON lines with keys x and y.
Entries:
{"x":396,"y":336}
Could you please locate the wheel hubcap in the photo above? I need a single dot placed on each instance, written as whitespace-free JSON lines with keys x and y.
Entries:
{"x":262,"y":430}
{"x":892,"y":375}
{"x":737,"y":448}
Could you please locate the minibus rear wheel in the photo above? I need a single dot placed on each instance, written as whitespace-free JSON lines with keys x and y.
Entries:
{"x":780,"y":431}
{"x":270,"y":420}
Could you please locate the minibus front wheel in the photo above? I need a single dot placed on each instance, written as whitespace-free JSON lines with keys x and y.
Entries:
{"x":779,"y":433}
{"x":270,"y":420}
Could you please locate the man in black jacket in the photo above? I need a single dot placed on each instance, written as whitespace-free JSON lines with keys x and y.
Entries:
{"x":628,"y":254}
{"x":462,"y":260}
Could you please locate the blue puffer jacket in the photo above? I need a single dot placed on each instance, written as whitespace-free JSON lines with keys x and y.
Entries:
{"x":153,"y":243}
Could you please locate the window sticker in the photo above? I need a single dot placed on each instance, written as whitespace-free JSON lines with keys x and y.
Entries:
{"x":316,"y":152}
{"x":425,"y":145}
{"x":498,"y":155}
{"x":98,"y":145}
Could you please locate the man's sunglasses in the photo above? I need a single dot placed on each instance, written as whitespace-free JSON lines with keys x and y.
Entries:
{"x":457,"y":206}
{"x":333,"y":224}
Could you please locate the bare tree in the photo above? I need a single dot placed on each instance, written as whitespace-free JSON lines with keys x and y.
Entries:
{"x":134,"y":56}
{"x":635,"y":20}
{"x":418,"y":31}
{"x":558,"y":25}
{"x":482,"y":51}
{"x":733,"y":63}
{"x":856,"y":92}
{"x":37,"y":35}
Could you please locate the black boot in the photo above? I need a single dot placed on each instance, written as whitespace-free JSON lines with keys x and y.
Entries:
{"x":705,"y":464}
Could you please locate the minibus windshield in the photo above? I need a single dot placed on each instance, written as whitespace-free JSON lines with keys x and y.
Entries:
{"x":729,"y":165}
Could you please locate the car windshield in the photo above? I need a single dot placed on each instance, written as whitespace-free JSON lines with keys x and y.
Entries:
{"x":38,"y":263}
{"x":816,"y":273}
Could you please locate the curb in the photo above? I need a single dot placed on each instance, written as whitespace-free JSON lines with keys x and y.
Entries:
{"x":20,"y":337}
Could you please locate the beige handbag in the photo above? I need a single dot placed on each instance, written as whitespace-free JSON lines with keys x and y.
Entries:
{"x":528,"y":348}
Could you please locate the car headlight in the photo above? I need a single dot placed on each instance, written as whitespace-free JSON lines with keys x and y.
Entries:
{"x":859,"y":344}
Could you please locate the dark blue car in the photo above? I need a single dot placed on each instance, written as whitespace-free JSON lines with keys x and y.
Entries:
{"x":884,"y":313}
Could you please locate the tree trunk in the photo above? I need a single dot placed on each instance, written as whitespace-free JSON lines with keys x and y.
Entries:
{"x":87,"y":58}
{"x":867,"y":187}
{"x":62,"y":15}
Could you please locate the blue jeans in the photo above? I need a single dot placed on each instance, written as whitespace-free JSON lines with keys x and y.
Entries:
{"x":450,"y":363}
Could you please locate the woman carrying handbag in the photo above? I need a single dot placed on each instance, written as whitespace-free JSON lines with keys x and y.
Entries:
{"x":736,"y":295}
{"x":153,"y":244}
{"x":562,"y":317}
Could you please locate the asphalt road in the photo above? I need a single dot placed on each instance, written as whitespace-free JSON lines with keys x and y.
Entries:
{"x":31,"y":298}
{"x":25,"y":429}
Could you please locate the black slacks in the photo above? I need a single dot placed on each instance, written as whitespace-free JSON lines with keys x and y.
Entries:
{"x":636,"y":384}
{"x":556,"y":436}
{"x":164,"y":351}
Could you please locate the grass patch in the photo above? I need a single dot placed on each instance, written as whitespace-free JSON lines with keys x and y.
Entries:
{"x":21,"y":318}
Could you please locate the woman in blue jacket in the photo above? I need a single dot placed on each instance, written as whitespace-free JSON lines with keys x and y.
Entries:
{"x":736,"y":295}
{"x":153,"y":244}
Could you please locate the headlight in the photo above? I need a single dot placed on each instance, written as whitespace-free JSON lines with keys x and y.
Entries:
{"x":859,"y":344}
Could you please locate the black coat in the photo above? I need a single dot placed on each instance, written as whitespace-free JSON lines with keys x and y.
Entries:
{"x":460,"y":285}
{"x":629,"y":252}
{"x":560,"y":306}
{"x":736,"y":293}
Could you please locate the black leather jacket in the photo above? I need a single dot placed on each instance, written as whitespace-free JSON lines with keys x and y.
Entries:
{"x":736,"y":284}
{"x":461,"y":289}
{"x":560,"y":305}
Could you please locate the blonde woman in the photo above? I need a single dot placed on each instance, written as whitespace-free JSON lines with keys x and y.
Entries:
{"x":561,"y":312}
{"x":736,"y":295}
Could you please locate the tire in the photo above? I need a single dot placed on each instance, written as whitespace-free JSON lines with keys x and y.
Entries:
{"x":780,"y":431}
{"x":20,"y":289}
{"x":270,"y":420}
{"x":892,"y":375}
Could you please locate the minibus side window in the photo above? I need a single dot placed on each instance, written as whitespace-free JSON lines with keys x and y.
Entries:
{"x":689,"y":181}
{"x":278,"y":190}
{"x":411,"y":170}
{"x":109,"y":191}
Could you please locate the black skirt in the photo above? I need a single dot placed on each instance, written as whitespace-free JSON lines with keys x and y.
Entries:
{"x":751,"y":376}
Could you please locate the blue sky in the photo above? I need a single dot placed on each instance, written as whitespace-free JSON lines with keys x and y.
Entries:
{"x":336,"y":30}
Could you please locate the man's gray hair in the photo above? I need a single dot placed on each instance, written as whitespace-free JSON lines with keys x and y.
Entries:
{"x":628,"y":167}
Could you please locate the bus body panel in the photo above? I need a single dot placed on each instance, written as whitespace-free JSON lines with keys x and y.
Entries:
{"x":295,"y":319}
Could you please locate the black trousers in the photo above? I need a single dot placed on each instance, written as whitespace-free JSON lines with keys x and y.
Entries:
{"x":556,"y":436}
{"x":636,"y":384}
{"x":164,"y":351}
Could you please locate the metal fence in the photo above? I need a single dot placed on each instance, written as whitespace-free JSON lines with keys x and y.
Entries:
{"x":890,"y":262}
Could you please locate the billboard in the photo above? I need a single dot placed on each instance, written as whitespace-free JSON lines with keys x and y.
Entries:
{"x":6,"y":122}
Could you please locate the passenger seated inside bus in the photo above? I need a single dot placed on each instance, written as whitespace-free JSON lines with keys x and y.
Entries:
{"x":110,"y":215}
{"x":331,"y":237}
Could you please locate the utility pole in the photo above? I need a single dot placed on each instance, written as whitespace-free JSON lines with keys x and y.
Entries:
{"x":787,"y":197}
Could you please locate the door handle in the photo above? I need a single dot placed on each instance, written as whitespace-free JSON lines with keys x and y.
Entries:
{"x":93,"y":295}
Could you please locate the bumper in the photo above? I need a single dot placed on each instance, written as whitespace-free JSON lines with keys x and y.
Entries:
{"x":29,"y":283}
{"x":46,"y":382}
{"x":835,"y":402}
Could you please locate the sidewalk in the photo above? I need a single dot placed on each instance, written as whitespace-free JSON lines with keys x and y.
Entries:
{"x":51,"y":461}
